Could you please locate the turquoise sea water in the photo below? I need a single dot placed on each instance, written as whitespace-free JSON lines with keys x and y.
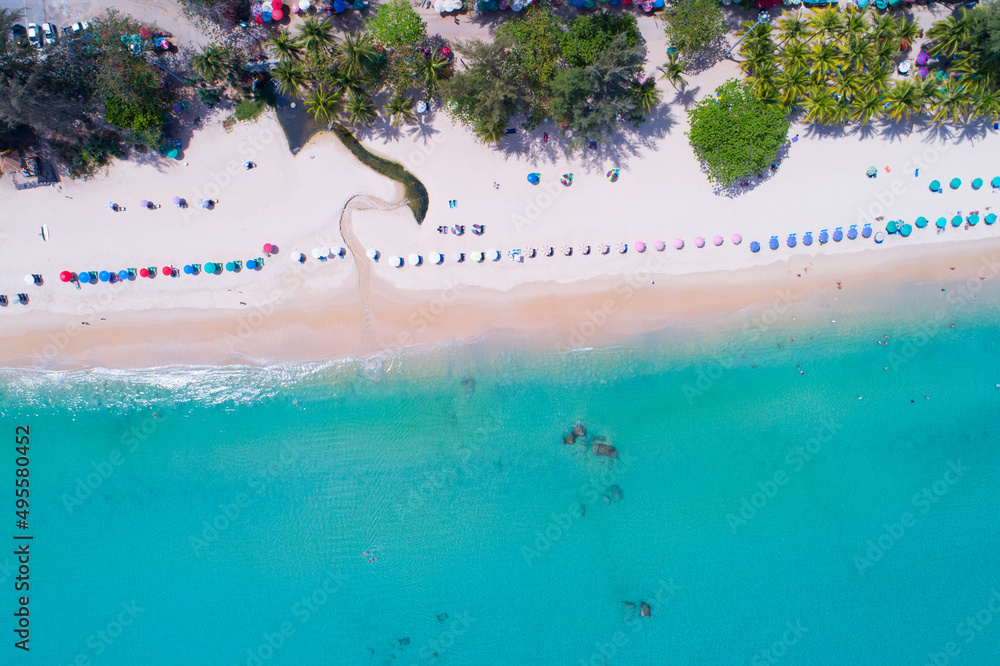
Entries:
{"x":227,"y":516}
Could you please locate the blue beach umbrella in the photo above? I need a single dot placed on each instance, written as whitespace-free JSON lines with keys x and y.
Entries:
{"x":977,"y":183}
{"x":990,"y":218}
{"x":533,"y":178}
{"x":188,"y":269}
{"x":754,"y":246}
{"x":123,"y":275}
{"x":892,"y":227}
{"x":210,"y":267}
{"x":956,"y":183}
{"x":791,"y":240}
{"x":941,"y":223}
{"x":230,"y":266}
{"x":906,"y":230}
{"x":251,"y":264}
{"x":973,"y":219}
{"x":956,"y":221}
{"x":84,"y":277}
{"x":773,"y":243}
{"x":339,"y":6}
{"x":808,"y":238}
{"x":823,"y":236}
{"x":852,"y":233}
{"x":935,"y":185}
{"x":996,"y":181}
{"x":921,"y":222}
{"x":866,"y":231}
{"x":104,"y":276}
{"x":838,"y":235}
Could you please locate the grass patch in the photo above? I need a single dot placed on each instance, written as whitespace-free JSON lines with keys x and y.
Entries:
{"x":415,"y":191}
{"x":249,"y":109}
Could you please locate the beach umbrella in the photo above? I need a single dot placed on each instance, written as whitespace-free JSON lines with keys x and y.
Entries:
{"x":892,"y":227}
{"x":336,"y":251}
{"x":396,"y":261}
{"x":941,"y":223}
{"x":678,"y":244}
{"x":205,"y":203}
{"x":339,"y":6}
{"x":210,"y":267}
{"x":790,"y":241}
{"x":123,"y":275}
{"x":852,"y":233}
{"x":251,"y":264}
{"x":956,"y":221}
{"x":144,"y":272}
{"x":699,"y":242}
{"x":754,"y":246}
{"x":736,"y":239}
{"x":317,"y":253}
{"x":823,"y":237}
{"x":325,"y":252}
{"x":372,"y":254}
{"x":266,"y":16}
{"x":567,"y":179}
{"x":866,"y":231}
{"x":935,"y":185}
{"x":872,"y":171}
{"x":567,"y":250}
{"x":977,"y":183}
{"x":110,"y":205}
{"x":533,"y":178}
{"x":922,"y":58}
{"x":584,"y":249}
{"x":66,"y":276}
{"x":640,"y":247}
{"x":144,"y":203}
{"x":808,"y":238}
{"x":549,"y":251}
{"x":277,"y":15}
{"x":622,"y":248}
{"x":104,"y":276}
{"x":267,"y":248}
{"x":188,"y":269}
{"x":717,"y":240}
{"x":906,"y":230}
{"x":613,"y":175}
{"x":438,"y":258}
{"x":990,"y":218}
{"x":973,"y":219}
{"x":414,"y":259}
{"x":85,"y":277}
{"x":230,"y":266}
{"x":660,"y":246}
{"x":304,"y":5}
{"x":177,"y":201}
{"x":603,"y":248}
{"x":838,"y":235}
{"x":996,"y":181}
{"x":922,"y":72}
{"x":956,"y":183}
{"x":168,"y":271}
{"x":297,"y":257}
{"x":494,"y":255}
{"x":773,"y":243}
{"x":921,"y":222}
{"x":457,"y":257}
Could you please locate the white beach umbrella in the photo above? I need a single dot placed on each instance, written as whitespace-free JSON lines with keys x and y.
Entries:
{"x":396,"y":261}
{"x":304,"y":5}
{"x":29,"y":279}
{"x":457,"y":257}
{"x":478,"y":256}
{"x":438,"y":258}
{"x":337,"y":251}
{"x":326,"y":252}
{"x":372,"y":254}
{"x":317,"y":252}
{"x":414,"y":259}
{"x":494,"y":255}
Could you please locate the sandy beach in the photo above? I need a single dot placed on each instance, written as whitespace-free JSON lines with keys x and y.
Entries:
{"x":350,"y":306}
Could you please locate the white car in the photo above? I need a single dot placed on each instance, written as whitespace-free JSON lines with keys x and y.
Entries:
{"x":48,"y":34}
{"x":33,"y":37}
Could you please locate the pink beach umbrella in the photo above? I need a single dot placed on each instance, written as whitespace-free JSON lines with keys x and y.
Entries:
{"x":717,"y":240}
{"x":267,"y":248}
{"x":640,"y":247}
{"x":660,"y":246}
{"x":699,"y":242}
{"x":737,"y":239}
{"x":277,"y":15}
{"x":276,"y":4}
{"x":678,"y":244}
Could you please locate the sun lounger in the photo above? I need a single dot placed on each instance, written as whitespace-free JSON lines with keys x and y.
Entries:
{"x":3,"y":300}
{"x":152,"y":271}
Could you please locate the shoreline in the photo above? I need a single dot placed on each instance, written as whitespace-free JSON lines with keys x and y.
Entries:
{"x":600,"y":312}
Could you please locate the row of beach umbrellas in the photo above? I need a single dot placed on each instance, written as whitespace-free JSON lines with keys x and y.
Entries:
{"x":956,"y":183}
{"x":211,"y":268}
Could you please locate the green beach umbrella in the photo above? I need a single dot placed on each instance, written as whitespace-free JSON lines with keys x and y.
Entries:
{"x":941,"y":223}
{"x":996,"y":181}
{"x":956,"y":183}
{"x":230,"y":266}
{"x":956,"y":221}
{"x":935,"y":185}
{"x":891,"y":227}
{"x":977,"y":183}
{"x":991,"y":218}
{"x":973,"y":220}
{"x":906,"y":230}
{"x":921,"y":222}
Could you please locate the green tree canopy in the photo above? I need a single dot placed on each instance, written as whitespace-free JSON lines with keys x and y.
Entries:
{"x":691,"y":25}
{"x":396,"y":24}
{"x":589,"y":34}
{"x":986,"y":35}
{"x":734,"y":134}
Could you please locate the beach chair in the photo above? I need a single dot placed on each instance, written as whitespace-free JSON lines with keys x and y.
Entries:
{"x":152,"y":271}
{"x":239,"y":265}
{"x":132,"y":273}
{"x":3,"y":300}
{"x":93,"y":277}
{"x":197,"y":268}
{"x":22,"y":299}
{"x":259,"y":261}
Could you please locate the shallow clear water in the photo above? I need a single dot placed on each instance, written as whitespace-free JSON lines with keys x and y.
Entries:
{"x":223,"y":507}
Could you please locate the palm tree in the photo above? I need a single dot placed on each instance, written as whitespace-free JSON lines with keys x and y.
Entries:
{"x":357,"y":58}
{"x":866,"y":106}
{"x":875,"y":80}
{"x":826,"y":23}
{"x":904,"y":100}
{"x":290,"y":76}
{"x":646,"y":95}
{"x":885,"y":54}
{"x":794,"y":84}
{"x":673,"y":70}
{"x":953,"y":103}
{"x":858,"y":53}
{"x":967,"y":63}
{"x":856,"y":25}
{"x":431,"y":70}
{"x":361,"y":110}
{"x":792,"y":27}
{"x":491,"y":133}
{"x":400,"y":109}
{"x":987,"y":104}
{"x":951,"y":34}
{"x":795,"y":54}
{"x":317,"y":35}
{"x":325,"y":105}
{"x":764,"y":77}
{"x":286,"y":47}
{"x":884,"y":27}
{"x":819,"y":105}
{"x":908,"y":32}
{"x":754,"y":55}
{"x":212,"y":63}
{"x":825,"y":60}
{"x":846,"y":85}
{"x":767,"y":91}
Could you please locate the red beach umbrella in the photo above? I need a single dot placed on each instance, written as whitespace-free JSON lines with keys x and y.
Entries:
{"x":143,"y":272}
{"x":66,"y":276}
{"x":276,"y":5}
{"x":167,"y":270}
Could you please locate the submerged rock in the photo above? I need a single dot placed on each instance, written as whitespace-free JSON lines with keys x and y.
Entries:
{"x":583,"y":509}
{"x":579,"y":429}
{"x":644,"y":610}
{"x":607,"y":500}
{"x":569,"y":439}
{"x":470,"y":385}
{"x":615,"y":493}
{"x":605,"y":450}
{"x":442,"y":617}
{"x":403,"y":642}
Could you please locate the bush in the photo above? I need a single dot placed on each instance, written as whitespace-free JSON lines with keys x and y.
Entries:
{"x":209,"y":96}
{"x":395,"y":24}
{"x":249,"y":109}
{"x":691,"y":25}
{"x":589,"y":34}
{"x":84,"y":157}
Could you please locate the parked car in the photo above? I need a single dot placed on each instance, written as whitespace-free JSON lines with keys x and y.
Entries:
{"x":33,"y":36}
{"x":48,"y":34}
{"x":17,"y":31}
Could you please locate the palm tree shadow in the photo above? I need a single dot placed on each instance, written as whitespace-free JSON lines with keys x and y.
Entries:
{"x":976,"y":129}
{"x":686,"y":96}
{"x":865,"y":131}
{"x":896,"y":129}
{"x":937,"y":132}
{"x":387,"y":132}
